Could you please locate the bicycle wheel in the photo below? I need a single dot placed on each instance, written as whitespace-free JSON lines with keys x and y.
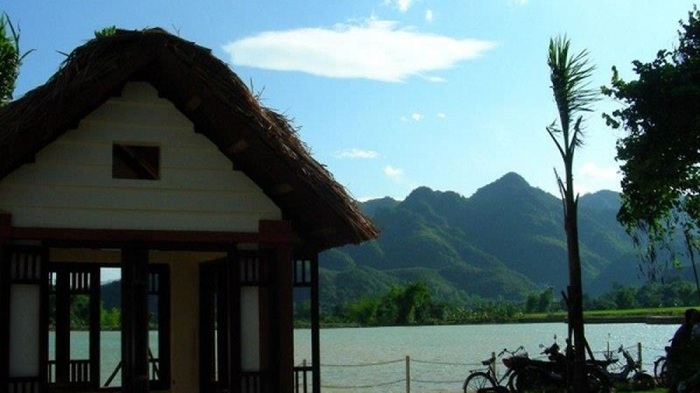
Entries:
{"x":643,"y":381}
{"x":513,"y":381}
{"x":598,"y":381}
{"x":533,"y":379}
{"x":479,"y":382}
{"x":661,"y":371}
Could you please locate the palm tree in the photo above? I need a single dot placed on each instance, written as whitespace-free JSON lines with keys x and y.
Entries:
{"x":569,"y":75}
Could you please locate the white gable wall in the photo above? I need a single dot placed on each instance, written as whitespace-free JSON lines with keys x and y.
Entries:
{"x":71,"y":186}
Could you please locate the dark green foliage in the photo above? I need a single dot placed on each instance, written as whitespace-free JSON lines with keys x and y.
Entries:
{"x":79,"y":312}
{"x":10,"y":58}
{"x":110,"y":319}
{"x":400,"y":306}
{"x":414,"y":304}
{"x":661,"y":150}
{"x":677,"y":293}
{"x":106,"y":32}
{"x":540,"y":302}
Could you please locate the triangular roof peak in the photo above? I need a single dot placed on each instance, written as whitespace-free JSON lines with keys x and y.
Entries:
{"x":258,"y":141}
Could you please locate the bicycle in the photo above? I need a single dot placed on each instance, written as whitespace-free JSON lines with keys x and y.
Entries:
{"x":661,"y":370}
{"x":631,"y":374}
{"x":483,"y":381}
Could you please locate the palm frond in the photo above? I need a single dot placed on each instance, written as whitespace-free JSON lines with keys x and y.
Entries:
{"x":569,"y":75}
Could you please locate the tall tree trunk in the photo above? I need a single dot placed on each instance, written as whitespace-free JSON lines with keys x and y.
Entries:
{"x":576,"y":326}
{"x":576,"y":306}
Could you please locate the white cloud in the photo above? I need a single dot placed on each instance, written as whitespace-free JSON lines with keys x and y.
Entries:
{"x":519,"y":2}
{"x":414,"y":117}
{"x":376,"y":49}
{"x":441,"y":115}
{"x":395,"y":174}
{"x":429,"y":15}
{"x":356,"y":153}
{"x":401,"y":5}
{"x":592,"y":177}
{"x":433,"y":78}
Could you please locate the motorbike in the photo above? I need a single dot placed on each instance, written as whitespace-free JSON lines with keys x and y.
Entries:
{"x":551,"y":374}
{"x":631,"y":373}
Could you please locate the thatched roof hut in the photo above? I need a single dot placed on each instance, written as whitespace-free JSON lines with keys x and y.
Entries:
{"x":258,"y":141}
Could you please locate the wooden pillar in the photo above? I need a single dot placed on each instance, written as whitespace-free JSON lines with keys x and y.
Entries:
{"x":315,"y":326}
{"x":62,"y":327}
{"x":5,"y":226}
{"x":284,"y":329}
{"x":231,"y":291}
{"x":282,"y":282}
{"x":134,"y":287}
{"x":95,"y":328}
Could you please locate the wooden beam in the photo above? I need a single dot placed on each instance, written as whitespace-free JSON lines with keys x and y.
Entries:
{"x":279,"y":229}
{"x":193,"y":103}
{"x":238,"y":146}
{"x":152,"y":237}
{"x":5,"y":227}
{"x":282,"y":189}
{"x":324,"y":231}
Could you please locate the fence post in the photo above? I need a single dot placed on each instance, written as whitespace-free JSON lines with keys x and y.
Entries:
{"x":492,"y":366}
{"x":304,"y":379}
{"x":639,"y":354}
{"x":408,"y":374}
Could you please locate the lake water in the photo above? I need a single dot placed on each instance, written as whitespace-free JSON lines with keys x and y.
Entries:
{"x":373,"y":360}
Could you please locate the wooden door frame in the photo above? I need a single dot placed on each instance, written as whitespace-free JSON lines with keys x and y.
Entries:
{"x":227,"y":297}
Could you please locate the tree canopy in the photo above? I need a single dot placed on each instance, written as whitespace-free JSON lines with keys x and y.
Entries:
{"x":660,"y":153}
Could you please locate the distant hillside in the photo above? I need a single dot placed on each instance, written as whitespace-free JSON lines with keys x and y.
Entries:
{"x":503,"y":242}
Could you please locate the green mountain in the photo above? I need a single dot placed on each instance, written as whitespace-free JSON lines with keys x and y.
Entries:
{"x":504,"y":242}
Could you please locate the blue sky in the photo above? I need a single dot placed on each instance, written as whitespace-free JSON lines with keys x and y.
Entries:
{"x":392,"y":95}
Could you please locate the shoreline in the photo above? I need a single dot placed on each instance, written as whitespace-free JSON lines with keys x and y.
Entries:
{"x":588,"y":320}
{"x":648,"y":319}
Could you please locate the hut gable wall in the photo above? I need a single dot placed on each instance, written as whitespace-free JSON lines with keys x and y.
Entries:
{"x":70,"y":184}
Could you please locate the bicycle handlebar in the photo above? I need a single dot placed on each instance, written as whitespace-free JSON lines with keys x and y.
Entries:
{"x":505,"y":350}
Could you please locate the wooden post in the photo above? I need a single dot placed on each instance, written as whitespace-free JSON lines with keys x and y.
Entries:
{"x":134,"y":287}
{"x":285,"y":318}
{"x":4,"y":316}
{"x":408,"y":374}
{"x":5,"y":229}
{"x":315,"y":327}
{"x":62,"y":326}
{"x":282,"y":282}
{"x":639,"y":354}
{"x":492,"y":366}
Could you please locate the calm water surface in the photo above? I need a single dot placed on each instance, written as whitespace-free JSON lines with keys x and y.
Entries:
{"x":373,"y":360}
{"x":441,"y":356}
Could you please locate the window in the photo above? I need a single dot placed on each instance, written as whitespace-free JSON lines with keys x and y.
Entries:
{"x":135,"y":162}
{"x":84,"y":351}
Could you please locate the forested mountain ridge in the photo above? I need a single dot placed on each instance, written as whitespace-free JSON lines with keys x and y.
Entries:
{"x":503,"y":242}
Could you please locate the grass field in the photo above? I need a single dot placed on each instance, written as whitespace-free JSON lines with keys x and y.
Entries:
{"x":674,"y":314}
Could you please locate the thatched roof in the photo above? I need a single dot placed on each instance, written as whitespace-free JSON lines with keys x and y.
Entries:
{"x":258,"y":141}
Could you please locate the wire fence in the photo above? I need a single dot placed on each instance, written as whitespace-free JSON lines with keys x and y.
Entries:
{"x":413,"y":374}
